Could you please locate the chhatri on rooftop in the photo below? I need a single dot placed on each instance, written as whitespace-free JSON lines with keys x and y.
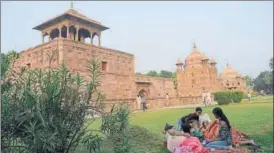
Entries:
{"x":71,"y":14}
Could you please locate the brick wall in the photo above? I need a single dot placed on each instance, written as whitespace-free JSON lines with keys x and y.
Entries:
{"x":39,"y":56}
{"x":157,"y":88}
{"x":156,"y":102}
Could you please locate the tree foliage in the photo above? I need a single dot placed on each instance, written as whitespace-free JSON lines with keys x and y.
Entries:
{"x":152,"y":73}
{"x":7,"y":60}
{"x":44,"y":111}
{"x":166,"y":74}
{"x":264,"y":81}
{"x":162,"y":73}
{"x":271,"y":64}
{"x":249,"y":82}
{"x":138,"y":74}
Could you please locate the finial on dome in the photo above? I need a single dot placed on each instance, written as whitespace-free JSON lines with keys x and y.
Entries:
{"x":194,"y":45}
{"x":71,"y":5}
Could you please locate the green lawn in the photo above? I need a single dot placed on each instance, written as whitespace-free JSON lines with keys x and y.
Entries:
{"x":255,"y":118}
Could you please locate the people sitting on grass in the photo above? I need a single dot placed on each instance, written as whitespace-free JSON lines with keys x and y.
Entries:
{"x":190,"y":118}
{"x":218,"y":134}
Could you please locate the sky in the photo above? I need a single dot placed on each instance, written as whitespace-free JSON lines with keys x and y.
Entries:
{"x":159,"y":33}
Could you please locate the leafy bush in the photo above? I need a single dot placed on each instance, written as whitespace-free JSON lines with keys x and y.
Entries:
{"x":43,"y":111}
{"x":115,"y":124}
{"x":224,"y":98}
{"x":238,"y":96}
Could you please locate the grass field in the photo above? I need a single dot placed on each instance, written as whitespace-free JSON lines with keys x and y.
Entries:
{"x":255,"y":119}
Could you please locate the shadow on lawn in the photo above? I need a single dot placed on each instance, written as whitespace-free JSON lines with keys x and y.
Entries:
{"x":264,"y":139}
{"x":141,"y":141}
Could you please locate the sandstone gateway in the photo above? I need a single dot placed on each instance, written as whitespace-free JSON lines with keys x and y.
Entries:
{"x":69,"y":38}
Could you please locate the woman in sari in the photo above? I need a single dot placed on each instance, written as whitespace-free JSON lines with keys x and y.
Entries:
{"x":212,"y":131}
{"x":224,"y":140}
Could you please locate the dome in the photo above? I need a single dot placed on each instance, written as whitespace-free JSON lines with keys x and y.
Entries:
{"x":195,"y":57}
{"x":229,"y":72}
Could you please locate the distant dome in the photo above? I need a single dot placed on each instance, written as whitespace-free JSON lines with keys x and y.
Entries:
{"x":229,"y":72}
{"x":195,"y":57}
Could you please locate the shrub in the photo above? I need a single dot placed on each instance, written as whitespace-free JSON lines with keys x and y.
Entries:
{"x":224,"y":98}
{"x":115,"y":124}
{"x":238,"y":96}
{"x":44,"y":110}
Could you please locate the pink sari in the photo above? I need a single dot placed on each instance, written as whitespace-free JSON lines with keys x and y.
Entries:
{"x":191,"y":145}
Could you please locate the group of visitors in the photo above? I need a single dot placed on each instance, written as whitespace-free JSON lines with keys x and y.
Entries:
{"x":206,"y":96}
{"x":141,"y":102}
{"x":196,"y":133}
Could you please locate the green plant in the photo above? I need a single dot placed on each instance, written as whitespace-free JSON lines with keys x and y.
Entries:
{"x":43,"y":111}
{"x":224,"y":98}
{"x":238,"y":96}
{"x":115,"y":124}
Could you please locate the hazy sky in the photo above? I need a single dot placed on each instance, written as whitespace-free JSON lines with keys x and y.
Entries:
{"x":158,"y":33}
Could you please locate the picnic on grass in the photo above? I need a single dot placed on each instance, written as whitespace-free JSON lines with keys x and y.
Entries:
{"x":196,"y":133}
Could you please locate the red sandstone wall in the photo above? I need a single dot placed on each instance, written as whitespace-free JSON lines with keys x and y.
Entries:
{"x":117,"y":82}
{"x":38,"y":57}
{"x":76,"y":54}
{"x":158,"y":87}
{"x":157,"y":102}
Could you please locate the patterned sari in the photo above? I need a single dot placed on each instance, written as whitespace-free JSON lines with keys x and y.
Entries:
{"x":212,"y":132}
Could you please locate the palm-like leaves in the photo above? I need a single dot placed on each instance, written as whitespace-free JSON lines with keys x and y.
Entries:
{"x":43,"y":111}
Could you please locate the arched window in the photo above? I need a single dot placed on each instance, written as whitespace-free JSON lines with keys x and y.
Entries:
{"x":72,"y":32}
{"x":54,"y":33}
{"x":64,"y":32}
{"x":95,"y":39}
{"x":83,"y":34}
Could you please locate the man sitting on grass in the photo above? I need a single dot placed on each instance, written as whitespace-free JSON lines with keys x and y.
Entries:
{"x":190,"y":118}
